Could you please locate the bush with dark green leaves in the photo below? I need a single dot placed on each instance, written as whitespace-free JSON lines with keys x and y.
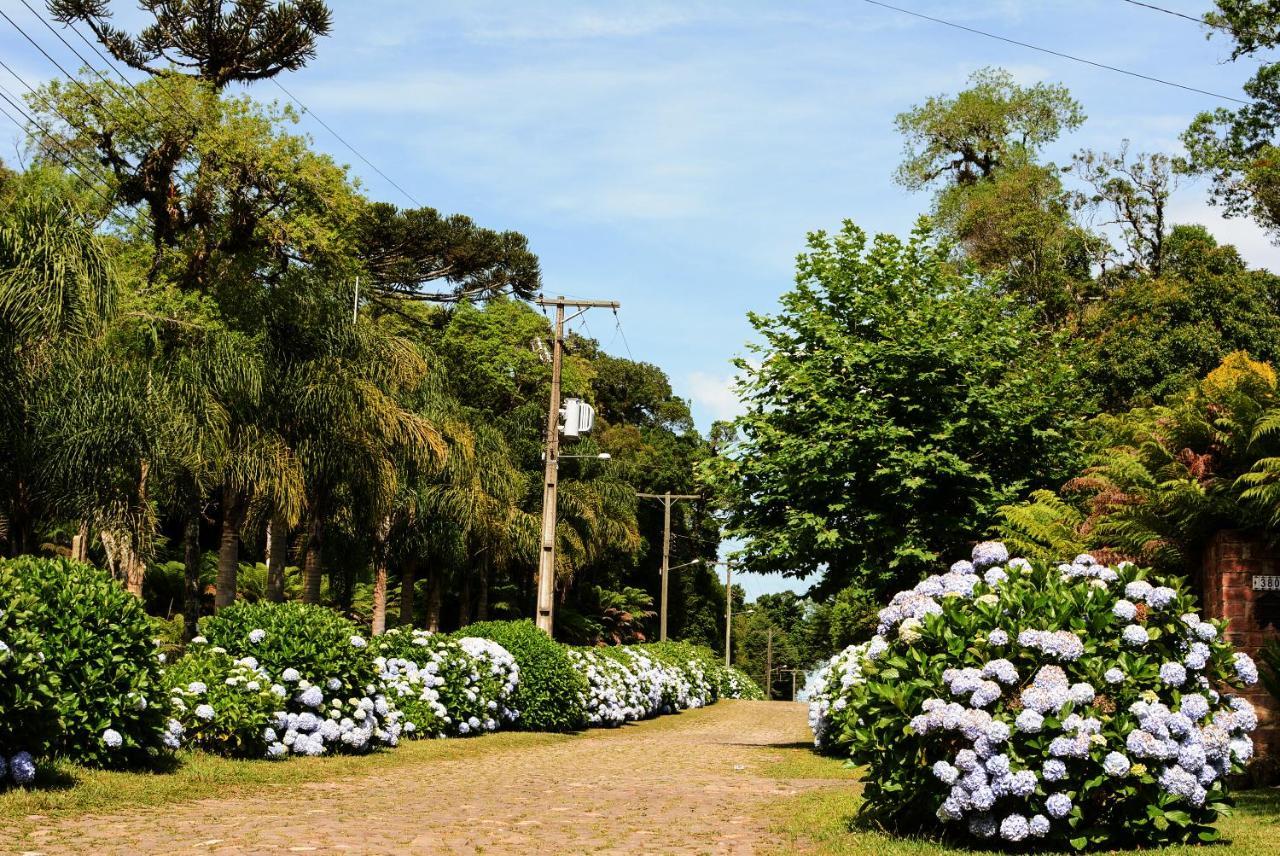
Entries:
{"x":101,"y":658}
{"x":225,"y":706}
{"x":331,"y":695}
{"x":549,"y":693}
{"x":28,"y":704}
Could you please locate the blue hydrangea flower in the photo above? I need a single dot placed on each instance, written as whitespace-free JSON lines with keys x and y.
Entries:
{"x":1195,"y":706}
{"x":1246,"y":669}
{"x":197,"y":688}
{"x":1038,"y":825}
{"x":112,"y":739}
{"x":358,"y":642}
{"x":22,"y":768}
{"x":988,"y":554}
{"x":1029,"y":721}
{"x":1138,"y":590}
{"x":1124,"y":610}
{"x":1022,"y":783}
{"x":1115,"y":764}
{"x":257,"y":635}
{"x":1058,"y":805}
{"x":205,"y":712}
{"x":1014,"y":828}
{"x":1114,"y":676}
{"x":1135,"y":635}
{"x":311,"y":697}
{"x":290,"y":676}
{"x":982,"y":825}
{"x":998,"y":637}
{"x":1173,"y":674}
{"x":1206,"y":631}
{"x":1054,"y":770}
{"x":945,"y":773}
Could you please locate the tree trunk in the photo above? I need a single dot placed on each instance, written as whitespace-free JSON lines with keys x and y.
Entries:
{"x":482,"y":600}
{"x":311,"y":569}
{"x":228,"y":549}
{"x":408,"y":578}
{"x":380,"y":576}
{"x":277,"y":557}
{"x":134,"y":571}
{"x":464,"y":601}
{"x":80,"y":543}
{"x":435,"y":596}
{"x":191,"y":577}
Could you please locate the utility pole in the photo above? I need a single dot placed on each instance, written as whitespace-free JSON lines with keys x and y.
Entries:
{"x":728,"y":611}
{"x":768,"y":667}
{"x":547,"y":556}
{"x":667,"y":498}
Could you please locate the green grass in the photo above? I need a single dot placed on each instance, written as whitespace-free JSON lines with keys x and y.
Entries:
{"x":66,"y":790}
{"x":821,"y":820}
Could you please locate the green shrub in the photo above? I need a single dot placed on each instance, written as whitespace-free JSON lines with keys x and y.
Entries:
{"x":447,"y":686}
{"x":225,"y":706}
{"x":1070,"y":706}
{"x":315,"y":641}
{"x":332,"y":697}
{"x":28,"y":703}
{"x":99,"y":648}
{"x":548,"y":696}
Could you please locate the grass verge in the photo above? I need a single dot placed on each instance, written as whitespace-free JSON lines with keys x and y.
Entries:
{"x":820,"y":821}
{"x":65,"y":789}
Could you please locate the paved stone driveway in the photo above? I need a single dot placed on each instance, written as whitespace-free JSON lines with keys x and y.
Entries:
{"x":685,"y":784}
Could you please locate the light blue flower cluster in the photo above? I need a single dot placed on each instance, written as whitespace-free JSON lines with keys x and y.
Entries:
{"x":1017,"y":754}
{"x":828,"y":691}
{"x":20,"y":768}
{"x":451,"y":687}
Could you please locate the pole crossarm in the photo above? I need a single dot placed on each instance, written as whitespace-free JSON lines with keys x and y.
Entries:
{"x":587,"y":304}
{"x":667,"y":500}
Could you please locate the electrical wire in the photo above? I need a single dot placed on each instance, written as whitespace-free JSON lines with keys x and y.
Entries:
{"x":1060,"y":54}
{"x":341,"y":139}
{"x":623,"y":333}
{"x":1201,"y":21}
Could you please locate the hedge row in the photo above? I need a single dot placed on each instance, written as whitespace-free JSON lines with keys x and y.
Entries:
{"x":81,"y":678}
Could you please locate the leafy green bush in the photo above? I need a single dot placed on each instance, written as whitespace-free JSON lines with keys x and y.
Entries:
{"x":332,"y":697}
{"x":548,"y":696}
{"x":225,"y":706}
{"x":98,"y":647}
{"x":28,"y":704}
{"x":447,"y":686}
{"x":1076,"y":705}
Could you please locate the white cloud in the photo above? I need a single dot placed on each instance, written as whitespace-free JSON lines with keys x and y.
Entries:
{"x":713,"y":394}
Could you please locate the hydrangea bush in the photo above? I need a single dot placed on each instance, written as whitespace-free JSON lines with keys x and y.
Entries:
{"x":549,"y":692}
{"x":444,"y":686}
{"x":619,"y":689}
{"x":28,"y":705}
{"x":224,"y":705}
{"x":1047,"y":706}
{"x":829,"y":692}
{"x":319,"y":666}
{"x":101,"y":660}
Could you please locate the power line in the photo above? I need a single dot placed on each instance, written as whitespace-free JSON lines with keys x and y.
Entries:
{"x":1174,"y":13}
{"x":341,"y":139}
{"x":1060,"y":54}
{"x":623,"y":333}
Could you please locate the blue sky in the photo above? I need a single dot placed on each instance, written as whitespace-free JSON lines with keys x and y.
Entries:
{"x":672,"y":156}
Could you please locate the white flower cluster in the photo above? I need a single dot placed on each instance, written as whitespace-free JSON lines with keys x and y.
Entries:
{"x":1190,"y":747}
{"x":616,"y":692}
{"x":484,"y":675}
{"x":828,"y":692}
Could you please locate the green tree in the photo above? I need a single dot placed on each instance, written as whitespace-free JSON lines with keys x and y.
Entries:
{"x":965,"y":138}
{"x":894,"y":403}
{"x":1237,"y":148}
{"x":1154,"y":336}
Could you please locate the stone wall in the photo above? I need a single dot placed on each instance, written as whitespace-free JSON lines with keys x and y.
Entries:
{"x":1230,"y":562}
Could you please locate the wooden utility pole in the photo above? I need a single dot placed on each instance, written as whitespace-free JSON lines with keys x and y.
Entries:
{"x":547,"y":556}
{"x":667,"y":498}
{"x":768,"y":667}
{"x":728,"y":612}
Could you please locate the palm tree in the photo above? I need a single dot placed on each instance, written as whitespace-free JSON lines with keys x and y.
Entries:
{"x":57,"y":288}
